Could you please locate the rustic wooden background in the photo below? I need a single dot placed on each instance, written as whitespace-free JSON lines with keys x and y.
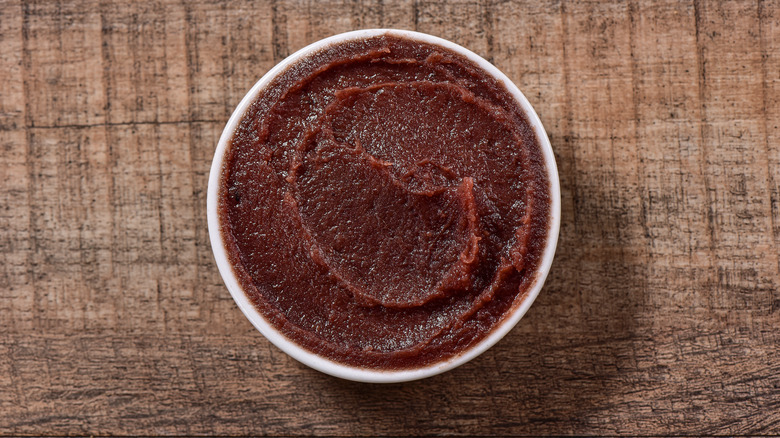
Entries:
{"x":662,"y":312}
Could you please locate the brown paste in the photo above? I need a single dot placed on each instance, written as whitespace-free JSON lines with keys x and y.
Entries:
{"x":385,"y":203}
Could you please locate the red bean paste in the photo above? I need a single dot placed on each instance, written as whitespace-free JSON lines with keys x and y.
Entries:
{"x":385,"y":203}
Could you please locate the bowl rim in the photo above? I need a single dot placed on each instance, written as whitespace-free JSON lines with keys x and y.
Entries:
{"x":321,"y":363}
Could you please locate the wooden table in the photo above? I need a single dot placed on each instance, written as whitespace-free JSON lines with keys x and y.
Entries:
{"x":661,"y":313}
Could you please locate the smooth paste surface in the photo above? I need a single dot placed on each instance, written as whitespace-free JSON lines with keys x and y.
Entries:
{"x":385,"y":203}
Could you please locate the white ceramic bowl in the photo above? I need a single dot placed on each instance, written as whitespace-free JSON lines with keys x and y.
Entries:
{"x":321,"y":363}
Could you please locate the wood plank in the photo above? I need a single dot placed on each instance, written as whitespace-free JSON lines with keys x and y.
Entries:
{"x":675,"y":206}
{"x":17,"y":285}
{"x":769,"y":35}
{"x":746,"y":258}
{"x":12,"y":104}
{"x":62,"y":66}
{"x":610,"y":243}
{"x":298,"y":24}
{"x":205,"y":32}
{"x":144,"y":59}
{"x":249,"y":48}
{"x":70,"y":223}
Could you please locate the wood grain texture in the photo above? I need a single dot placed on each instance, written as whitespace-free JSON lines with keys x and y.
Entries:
{"x":660,"y":315}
